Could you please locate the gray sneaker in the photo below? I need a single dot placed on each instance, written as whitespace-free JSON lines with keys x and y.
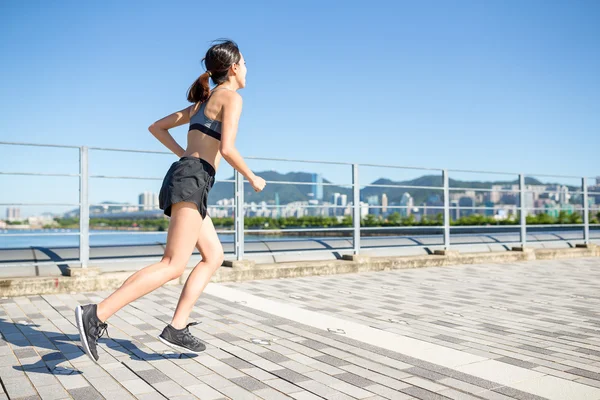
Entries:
{"x":90,"y":329}
{"x":182,"y":339}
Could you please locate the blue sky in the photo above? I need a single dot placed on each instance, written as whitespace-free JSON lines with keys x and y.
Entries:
{"x":480,"y":85}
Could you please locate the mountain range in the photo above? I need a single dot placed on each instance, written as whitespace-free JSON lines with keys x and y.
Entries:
{"x":290,"y":192}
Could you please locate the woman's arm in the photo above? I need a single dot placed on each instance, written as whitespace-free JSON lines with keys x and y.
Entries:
{"x":160,"y":129}
{"x":232,"y":109}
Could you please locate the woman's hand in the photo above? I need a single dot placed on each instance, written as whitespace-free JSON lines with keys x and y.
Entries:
{"x":258,"y":183}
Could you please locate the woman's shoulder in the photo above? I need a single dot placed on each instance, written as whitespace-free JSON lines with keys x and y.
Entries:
{"x":230,"y":97}
{"x":226,"y":94}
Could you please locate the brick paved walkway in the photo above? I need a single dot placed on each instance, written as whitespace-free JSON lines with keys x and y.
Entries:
{"x":494,"y":331}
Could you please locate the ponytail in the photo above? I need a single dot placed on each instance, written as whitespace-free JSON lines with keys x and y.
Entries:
{"x":218,"y":60}
{"x":200,"y":89}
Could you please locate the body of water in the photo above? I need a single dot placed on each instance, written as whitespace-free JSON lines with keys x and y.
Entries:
{"x":70,"y":238}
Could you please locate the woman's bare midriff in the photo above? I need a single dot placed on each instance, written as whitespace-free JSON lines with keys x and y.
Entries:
{"x":200,"y":144}
{"x":203,"y":146}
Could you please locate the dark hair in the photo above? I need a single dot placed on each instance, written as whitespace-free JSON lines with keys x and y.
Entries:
{"x":219,"y":58}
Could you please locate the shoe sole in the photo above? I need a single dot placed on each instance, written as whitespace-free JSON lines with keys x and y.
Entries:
{"x":180,"y":348}
{"x":82,"y":335}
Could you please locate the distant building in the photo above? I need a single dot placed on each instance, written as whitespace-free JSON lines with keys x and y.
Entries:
{"x":148,"y":201}
{"x":384,"y":203}
{"x":466,"y":205}
{"x":373,"y":202}
{"x":454,"y":209}
{"x":317,"y":180}
{"x":434,"y":205}
{"x":489,"y":209}
{"x":408,"y":202}
{"x":13,"y":214}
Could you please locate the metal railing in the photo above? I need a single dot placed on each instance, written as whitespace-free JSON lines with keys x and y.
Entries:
{"x":238,"y":183}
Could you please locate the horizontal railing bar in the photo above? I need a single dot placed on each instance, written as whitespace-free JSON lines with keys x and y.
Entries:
{"x":305,"y":183}
{"x":143,"y":233}
{"x":555,"y":225}
{"x":375,"y":228}
{"x":297,"y":230}
{"x":108,"y":260}
{"x":294,"y":160}
{"x":119,"y":205}
{"x":465,"y":208}
{"x":403,"y":186}
{"x":130,"y":150}
{"x":400,"y":167}
{"x":552,"y":191}
{"x":434,"y":245}
{"x":248,"y":205}
{"x":552,"y":176}
{"x":516,"y":226}
{"x":39,"y":145}
{"x":92,"y":261}
{"x":96,"y":233}
{"x":40,"y":204}
{"x":483,"y":172}
{"x":484,"y":190}
{"x":141,"y":205}
{"x":38,"y":174}
{"x":516,"y":190}
{"x":419,"y":207}
{"x":272,"y":252}
{"x":144,"y":178}
{"x":39,"y":234}
{"x":440,"y":207}
{"x":147,"y":178}
{"x":554,"y":209}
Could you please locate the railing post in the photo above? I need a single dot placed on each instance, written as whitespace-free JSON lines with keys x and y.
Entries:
{"x":239,"y":215}
{"x":84,"y":208}
{"x":356,"y":209}
{"x":523,"y":211}
{"x":586,"y":216}
{"x":446,"y":209}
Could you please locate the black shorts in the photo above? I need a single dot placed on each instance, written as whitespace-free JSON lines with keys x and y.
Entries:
{"x":189,"y":179}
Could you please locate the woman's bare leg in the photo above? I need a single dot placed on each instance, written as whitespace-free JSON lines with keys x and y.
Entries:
{"x":181,"y":239}
{"x":212,"y":257}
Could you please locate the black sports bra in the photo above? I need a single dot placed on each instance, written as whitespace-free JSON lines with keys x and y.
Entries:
{"x":202,"y":123}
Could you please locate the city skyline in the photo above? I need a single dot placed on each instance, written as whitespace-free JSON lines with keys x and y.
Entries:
{"x":501,"y":201}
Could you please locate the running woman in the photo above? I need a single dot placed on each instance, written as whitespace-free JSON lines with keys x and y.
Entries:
{"x":213,"y":121}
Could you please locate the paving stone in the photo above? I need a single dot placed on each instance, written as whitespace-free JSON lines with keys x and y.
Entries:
{"x":518,"y":363}
{"x":517,"y":394}
{"x":85,"y":393}
{"x":249,"y":383}
{"x":237,"y":363}
{"x":152,"y":376}
{"x":354,"y":379}
{"x":52,"y":392}
{"x":290,"y":375}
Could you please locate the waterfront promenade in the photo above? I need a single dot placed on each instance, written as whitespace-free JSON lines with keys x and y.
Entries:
{"x":524,"y":330}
